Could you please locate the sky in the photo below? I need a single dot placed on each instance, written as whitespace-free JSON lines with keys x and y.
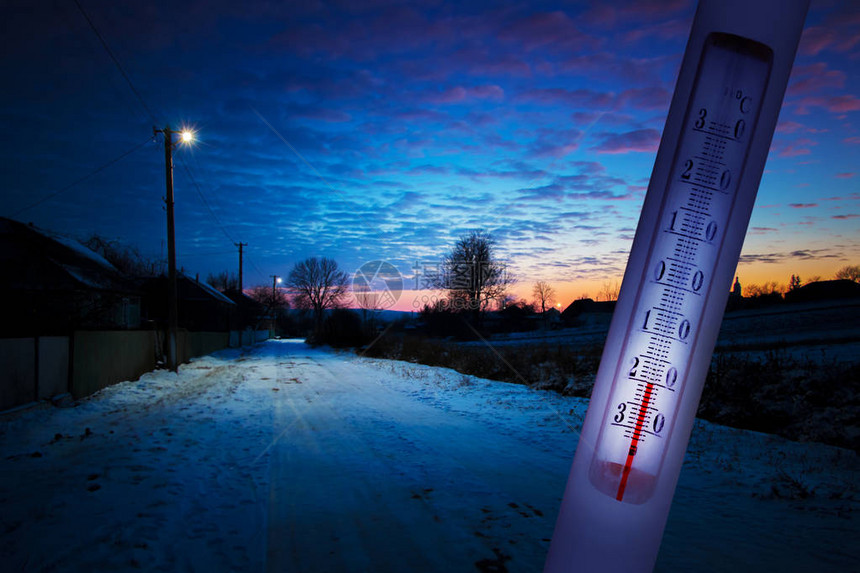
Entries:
{"x":383,"y":131}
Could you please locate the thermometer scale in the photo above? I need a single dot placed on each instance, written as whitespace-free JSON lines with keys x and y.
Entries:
{"x":660,"y":342}
{"x":698,"y":203}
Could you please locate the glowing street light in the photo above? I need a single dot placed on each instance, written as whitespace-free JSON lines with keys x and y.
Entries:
{"x":185,"y":136}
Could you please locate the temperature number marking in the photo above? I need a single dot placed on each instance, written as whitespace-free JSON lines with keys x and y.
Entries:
{"x":696,"y":210}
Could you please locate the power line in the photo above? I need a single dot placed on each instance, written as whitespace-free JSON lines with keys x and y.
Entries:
{"x":207,"y":254}
{"x":254,"y":264}
{"x":206,"y":202}
{"x":84,"y":178}
{"x":116,"y":62}
{"x":152,"y":117}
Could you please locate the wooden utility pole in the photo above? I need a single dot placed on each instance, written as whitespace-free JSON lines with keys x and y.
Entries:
{"x":172,"y":299}
{"x":241,"y":281}
{"x":172,"y":303}
{"x":274,"y":286}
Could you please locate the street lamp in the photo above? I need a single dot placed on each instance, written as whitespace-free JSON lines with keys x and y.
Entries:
{"x":186,"y":136}
{"x":276,"y":280}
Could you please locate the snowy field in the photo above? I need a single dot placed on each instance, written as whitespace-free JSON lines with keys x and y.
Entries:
{"x":821,"y":331}
{"x":287,"y":458}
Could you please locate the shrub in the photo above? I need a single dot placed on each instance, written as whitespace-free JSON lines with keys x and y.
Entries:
{"x":341,"y":329}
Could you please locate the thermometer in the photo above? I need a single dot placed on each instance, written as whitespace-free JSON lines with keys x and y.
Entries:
{"x":661,"y":339}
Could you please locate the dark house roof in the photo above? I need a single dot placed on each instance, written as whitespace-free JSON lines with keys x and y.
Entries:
{"x":250,"y":312}
{"x":34,"y":259}
{"x":51,"y":284}
{"x":201,"y":307}
{"x":244,"y":301}
{"x":824,"y":290}
{"x":584,"y":305}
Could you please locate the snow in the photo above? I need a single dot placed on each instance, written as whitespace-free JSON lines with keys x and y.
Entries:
{"x":288,"y":458}
{"x":77,"y":247}
{"x":210,"y":290}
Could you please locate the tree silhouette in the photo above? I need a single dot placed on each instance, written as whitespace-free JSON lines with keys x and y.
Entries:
{"x":472,"y":274}
{"x":223,"y":281}
{"x":544,"y":295}
{"x":127,"y":259}
{"x":273,"y":299}
{"x":317,"y":283}
{"x":794,"y":282}
{"x":850,"y":272}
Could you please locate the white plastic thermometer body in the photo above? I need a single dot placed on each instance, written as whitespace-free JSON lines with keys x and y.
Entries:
{"x":706,"y":175}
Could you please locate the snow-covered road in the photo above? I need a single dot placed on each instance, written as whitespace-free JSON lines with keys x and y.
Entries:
{"x":288,"y":458}
{"x":373,"y":475}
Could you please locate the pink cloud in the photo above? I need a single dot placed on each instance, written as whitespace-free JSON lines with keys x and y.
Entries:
{"x":838,"y":34}
{"x":802,"y":205}
{"x":610,"y":15}
{"x":814,"y":78}
{"x":852,"y":140}
{"x":649,"y":98}
{"x":573,"y":98}
{"x":789,"y":127}
{"x":845,"y":217}
{"x":417,"y":115}
{"x":835,"y":104}
{"x":548,"y":29}
{"x":816,"y":39}
{"x":846,"y":175}
{"x":632,"y":70}
{"x":602,"y":118}
{"x":553,"y":150}
{"x":793,"y":148}
{"x":669,"y":29}
{"x":844,"y":103}
{"x":640,"y":140}
{"x":459,"y":94}
{"x":479,"y":60}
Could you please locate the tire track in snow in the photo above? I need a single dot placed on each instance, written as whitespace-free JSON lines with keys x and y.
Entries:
{"x":415,"y":493}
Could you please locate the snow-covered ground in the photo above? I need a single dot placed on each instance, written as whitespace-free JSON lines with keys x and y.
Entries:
{"x":822,"y":331}
{"x":287,"y":458}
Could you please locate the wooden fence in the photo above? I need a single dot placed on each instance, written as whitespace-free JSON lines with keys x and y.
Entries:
{"x":38,"y":368}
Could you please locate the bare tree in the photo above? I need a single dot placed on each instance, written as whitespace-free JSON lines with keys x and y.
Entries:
{"x":544,"y":295}
{"x":850,"y":272}
{"x":472,"y":274}
{"x":125,"y":258}
{"x":223,"y":281}
{"x":609,"y":291}
{"x":370,"y":302}
{"x":768,"y":288}
{"x":317,"y":283}
{"x":272,"y":299}
{"x":794,"y":282}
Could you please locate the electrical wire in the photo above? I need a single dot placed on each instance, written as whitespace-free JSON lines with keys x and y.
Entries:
{"x":206,"y":202}
{"x":154,"y":120}
{"x":116,"y":61}
{"x":84,"y":178}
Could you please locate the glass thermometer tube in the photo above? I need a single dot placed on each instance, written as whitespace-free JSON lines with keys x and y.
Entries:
{"x":659,"y":346}
{"x":651,"y":371}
